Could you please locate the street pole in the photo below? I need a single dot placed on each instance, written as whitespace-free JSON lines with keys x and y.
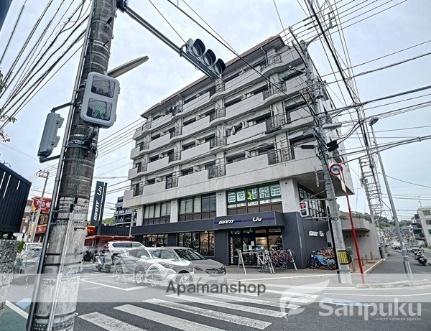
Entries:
{"x":55,"y":301}
{"x":406,"y":263}
{"x":41,"y":174}
{"x":344,"y":275}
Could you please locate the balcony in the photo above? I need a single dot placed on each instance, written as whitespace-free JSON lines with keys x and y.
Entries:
{"x":171,"y":182}
{"x":276,"y":89}
{"x":296,"y":84}
{"x":137,"y":151}
{"x":279,"y":155}
{"x":133,"y":173}
{"x":196,"y":103}
{"x":360,"y":223}
{"x":155,"y":188}
{"x":217,"y":170}
{"x":300,"y":116}
{"x":244,"y":106}
{"x":195,"y":151}
{"x":253,"y":131}
{"x":246,"y":78}
{"x":162,"y":140}
{"x":197,"y":125}
{"x":158,"y":164}
{"x":219,"y":113}
{"x":161,"y":121}
{"x":275,"y":122}
{"x":280,"y":62}
{"x":247,"y":166}
{"x":194,"y":178}
{"x":218,"y":141}
{"x":141,"y":130}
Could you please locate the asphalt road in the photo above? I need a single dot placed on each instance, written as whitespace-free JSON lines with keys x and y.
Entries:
{"x":293,"y":301}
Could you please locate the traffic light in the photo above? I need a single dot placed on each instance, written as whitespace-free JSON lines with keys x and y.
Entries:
{"x":197,"y":50}
{"x":303,"y":208}
{"x":49,"y":136}
{"x":99,"y":104}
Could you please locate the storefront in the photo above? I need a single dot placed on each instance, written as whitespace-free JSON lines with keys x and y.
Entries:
{"x":221,"y":237}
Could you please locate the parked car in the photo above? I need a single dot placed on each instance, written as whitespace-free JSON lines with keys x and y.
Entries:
{"x":121,"y":246}
{"x":140,"y":265}
{"x":205,"y":270}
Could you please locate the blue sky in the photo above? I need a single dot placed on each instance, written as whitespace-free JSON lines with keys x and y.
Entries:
{"x":243,"y":23}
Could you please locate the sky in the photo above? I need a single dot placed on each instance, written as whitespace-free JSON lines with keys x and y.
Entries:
{"x":242,"y":23}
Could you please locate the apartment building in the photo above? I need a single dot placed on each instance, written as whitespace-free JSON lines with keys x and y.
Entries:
{"x":218,"y":166}
{"x":424,"y":216}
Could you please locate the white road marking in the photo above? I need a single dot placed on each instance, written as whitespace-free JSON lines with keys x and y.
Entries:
{"x":249,"y":322}
{"x":249,"y":309}
{"x":17,"y":310}
{"x":109,"y":323}
{"x":283,"y":277}
{"x":127,"y":289}
{"x":257,"y":301}
{"x":165,"y":319}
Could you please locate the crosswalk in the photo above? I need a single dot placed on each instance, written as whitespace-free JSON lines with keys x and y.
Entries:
{"x":177,"y":312}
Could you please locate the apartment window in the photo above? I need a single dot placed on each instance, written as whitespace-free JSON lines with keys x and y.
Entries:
{"x":189,"y":121}
{"x":235,"y":158}
{"x":154,"y":158}
{"x":260,"y":119}
{"x":197,"y":207}
{"x":151,"y":181}
{"x":254,"y":199}
{"x":259,"y":90}
{"x":427,"y":212}
{"x":189,"y":145}
{"x":203,"y":242}
{"x":154,"y":137}
{"x":139,"y":166}
{"x":316,"y":206}
{"x":186,"y":172}
{"x":428,"y":222}
{"x":158,"y":213}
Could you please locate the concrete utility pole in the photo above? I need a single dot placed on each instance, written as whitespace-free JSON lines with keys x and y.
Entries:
{"x":56,"y":297}
{"x":344,"y":275}
{"x":406,"y":263}
{"x":41,"y":174}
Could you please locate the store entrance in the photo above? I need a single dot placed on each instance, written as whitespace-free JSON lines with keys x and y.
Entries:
{"x":253,"y":240}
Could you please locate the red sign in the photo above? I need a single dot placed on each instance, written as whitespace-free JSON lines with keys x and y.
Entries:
{"x":91,"y":230}
{"x":41,"y":229}
{"x":44,"y":205}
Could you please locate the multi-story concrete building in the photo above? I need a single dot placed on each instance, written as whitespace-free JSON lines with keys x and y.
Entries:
{"x":218,"y":166}
{"x":122,"y":216}
{"x":424,"y":215}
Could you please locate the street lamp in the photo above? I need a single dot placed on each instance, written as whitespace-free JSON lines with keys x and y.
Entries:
{"x":125,"y":67}
{"x":406,"y":262}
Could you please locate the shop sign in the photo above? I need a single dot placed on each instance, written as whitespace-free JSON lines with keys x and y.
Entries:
{"x":257,"y":219}
{"x":226,"y":222}
{"x":313,"y":233}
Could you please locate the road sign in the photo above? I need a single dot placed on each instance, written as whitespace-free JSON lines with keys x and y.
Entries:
{"x":336,"y":169}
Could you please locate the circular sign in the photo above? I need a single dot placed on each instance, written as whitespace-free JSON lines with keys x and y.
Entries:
{"x":336,"y":169}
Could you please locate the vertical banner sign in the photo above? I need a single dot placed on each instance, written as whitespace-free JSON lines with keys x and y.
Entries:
{"x":99,"y":197}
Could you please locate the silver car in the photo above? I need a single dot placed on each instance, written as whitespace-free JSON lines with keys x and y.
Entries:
{"x":205,"y":270}
{"x":146,"y":269}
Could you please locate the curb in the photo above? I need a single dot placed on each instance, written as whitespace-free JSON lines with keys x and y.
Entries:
{"x":404,"y":283}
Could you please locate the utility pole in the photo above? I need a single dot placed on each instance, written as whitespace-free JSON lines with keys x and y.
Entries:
{"x":54,"y":300}
{"x":406,"y":263}
{"x":41,"y":174}
{"x":344,"y":275}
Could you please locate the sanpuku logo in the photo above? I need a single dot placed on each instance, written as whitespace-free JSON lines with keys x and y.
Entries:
{"x":401,"y":311}
{"x":257,"y":219}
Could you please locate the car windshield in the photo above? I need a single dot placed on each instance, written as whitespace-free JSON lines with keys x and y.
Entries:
{"x":138,"y":253}
{"x":189,"y":254}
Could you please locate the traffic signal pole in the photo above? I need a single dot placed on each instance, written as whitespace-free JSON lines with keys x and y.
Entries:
{"x":55,"y":296}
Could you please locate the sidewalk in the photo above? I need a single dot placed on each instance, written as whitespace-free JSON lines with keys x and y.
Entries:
{"x":12,"y":320}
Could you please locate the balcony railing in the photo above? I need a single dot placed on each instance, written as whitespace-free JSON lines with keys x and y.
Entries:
{"x":276,"y":122}
{"x":174,"y":156}
{"x":216,"y":171}
{"x":271,"y":60}
{"x":175,"y":133}
{"x":137,"y":190}
{"x":219,"y":141}
{"x":279,"y":155}
{"x":218,"y":113}
{"x":276,"y":88}
{"x":171,"y":182}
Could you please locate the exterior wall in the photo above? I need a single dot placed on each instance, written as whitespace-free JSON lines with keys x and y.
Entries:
{"x":424,"y":217}
{"x":8,"y":251}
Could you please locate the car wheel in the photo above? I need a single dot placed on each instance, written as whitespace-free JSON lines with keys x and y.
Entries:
{"x":140,"y":277}
{"x":184,"y":279}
